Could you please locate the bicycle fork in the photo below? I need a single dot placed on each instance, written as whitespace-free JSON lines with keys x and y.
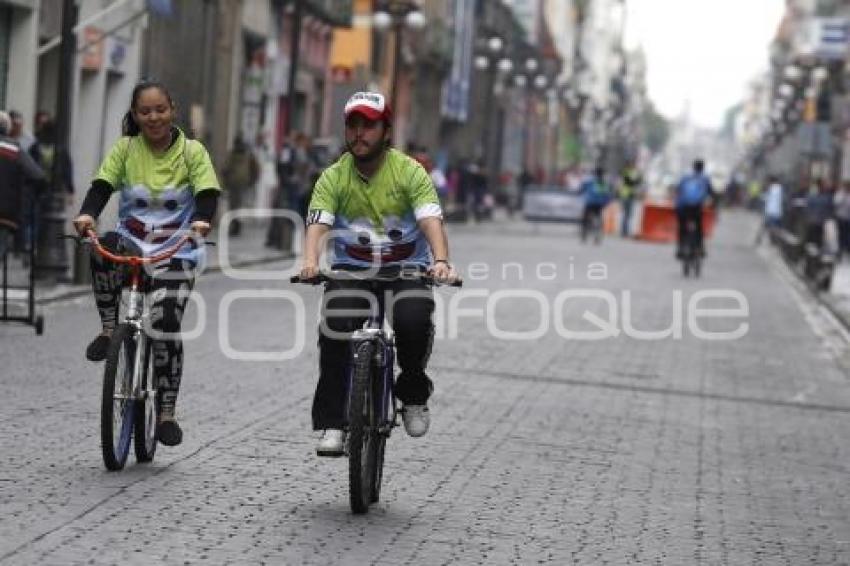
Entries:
{"x":134,"y":319}
{"x":383,"y":361}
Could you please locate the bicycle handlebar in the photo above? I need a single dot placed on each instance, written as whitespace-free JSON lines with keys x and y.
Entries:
{"x":324,"y":277}
{"x":91,"y":237}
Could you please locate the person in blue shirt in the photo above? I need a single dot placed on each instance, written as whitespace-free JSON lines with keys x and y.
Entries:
{"x":597,"y":194}
{"x":692,"y":192}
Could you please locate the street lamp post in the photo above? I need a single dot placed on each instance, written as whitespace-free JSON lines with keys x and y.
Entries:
{"x":489,"y":61}
{"x":294,"y":49}
{"x":398,"y":15}
{"x":54,"y":219}
{"x":528,"y":82}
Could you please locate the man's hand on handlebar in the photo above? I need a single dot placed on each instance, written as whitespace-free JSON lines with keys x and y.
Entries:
{"x":309,"y":270}
{"x":443,"y":272}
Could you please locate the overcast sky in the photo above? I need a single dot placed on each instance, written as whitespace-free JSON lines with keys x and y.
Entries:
{"x":702,"y":52}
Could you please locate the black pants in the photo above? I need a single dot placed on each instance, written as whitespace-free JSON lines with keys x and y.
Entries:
{"x":411,"y":319}
{"x":591,"y":212}
{"x":167,"y":295}
{"x":687,"y":214}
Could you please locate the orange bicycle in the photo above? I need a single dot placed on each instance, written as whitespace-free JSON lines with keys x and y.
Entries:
{"x":129,"y":401}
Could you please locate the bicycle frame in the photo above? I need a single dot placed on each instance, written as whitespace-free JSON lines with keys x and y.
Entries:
{"x":136,"y":307}
{"x":384,"y":351}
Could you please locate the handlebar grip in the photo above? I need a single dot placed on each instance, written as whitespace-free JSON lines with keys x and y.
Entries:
{"x":319,"y":279}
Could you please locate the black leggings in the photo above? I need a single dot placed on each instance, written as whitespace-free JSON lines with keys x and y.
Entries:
{"x":410,"y":318}
{"x":167,"y":293}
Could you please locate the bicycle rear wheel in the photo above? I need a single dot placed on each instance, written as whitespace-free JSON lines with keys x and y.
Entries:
{"x":362,"y":432}
{"x":117,"y":404}
{"x":147,"y":410}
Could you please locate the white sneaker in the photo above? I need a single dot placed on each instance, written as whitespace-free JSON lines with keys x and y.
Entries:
{"x":331,"y":443}
{"x":416,"y":419}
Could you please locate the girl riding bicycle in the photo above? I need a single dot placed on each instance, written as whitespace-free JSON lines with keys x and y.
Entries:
{"x":167,"y":186}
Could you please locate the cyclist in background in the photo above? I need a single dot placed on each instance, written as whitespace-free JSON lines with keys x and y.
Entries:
{"x":692,"y":192}
{"x":597,"y":194}
{"x":167,"y":186}
{"x":385,"y":213}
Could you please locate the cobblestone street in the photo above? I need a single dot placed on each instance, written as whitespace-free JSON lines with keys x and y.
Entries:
{"x":545,"y":450}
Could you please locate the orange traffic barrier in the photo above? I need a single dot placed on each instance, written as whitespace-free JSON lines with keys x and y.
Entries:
{"x":611,"y":218}
{"x":661,"y":225}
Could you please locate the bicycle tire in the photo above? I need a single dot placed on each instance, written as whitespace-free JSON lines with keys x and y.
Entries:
{"x":379,"y":446}
{"x":361,"y":434}
{"x":147,"y":411}
{"x":115,"y":444}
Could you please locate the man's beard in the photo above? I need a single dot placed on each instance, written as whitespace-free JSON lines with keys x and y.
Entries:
{"x":371,"y":156}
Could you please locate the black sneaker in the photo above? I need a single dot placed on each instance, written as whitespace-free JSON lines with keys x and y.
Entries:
{"x":96,"y":351}
{"x":169,"y":433}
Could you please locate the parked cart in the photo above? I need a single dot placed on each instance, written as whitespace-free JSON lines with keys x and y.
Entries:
{"x":14,"y":297}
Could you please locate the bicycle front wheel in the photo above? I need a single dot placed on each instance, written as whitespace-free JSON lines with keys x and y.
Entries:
{"x":362,"y":432}
{"x":147,"y":410}
{"x":117,"y":404}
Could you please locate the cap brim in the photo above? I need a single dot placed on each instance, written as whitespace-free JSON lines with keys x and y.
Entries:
{"x":369,"y":113}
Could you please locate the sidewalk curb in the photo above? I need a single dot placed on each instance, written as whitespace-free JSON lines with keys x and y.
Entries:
{"x":76,"y":291}
{"x":826,"y":300}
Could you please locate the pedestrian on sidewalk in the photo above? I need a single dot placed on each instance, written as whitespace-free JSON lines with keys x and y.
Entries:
{"x":241,"y":172}
{"x":294,"y":173}
{"x":19,"y":133}
{"x":32,"y":194}
{"x":630,"y":181}
{"x":18,"y":173}
{"x":167,"y":186}
{"x":842,"y":215}
{"x":819,"y":208}
{"x":773,"y":206}
{"x":60,"y":184}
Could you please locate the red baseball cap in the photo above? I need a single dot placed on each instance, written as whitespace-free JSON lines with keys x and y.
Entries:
{"x":372,"y":105}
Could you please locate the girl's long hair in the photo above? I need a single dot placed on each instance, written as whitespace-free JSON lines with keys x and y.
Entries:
{"x":129,"y":127}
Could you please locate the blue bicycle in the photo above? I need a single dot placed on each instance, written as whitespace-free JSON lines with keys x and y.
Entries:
{"x":371,"y":404}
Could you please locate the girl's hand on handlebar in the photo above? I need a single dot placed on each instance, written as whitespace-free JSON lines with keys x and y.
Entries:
{"x":83,"y":223}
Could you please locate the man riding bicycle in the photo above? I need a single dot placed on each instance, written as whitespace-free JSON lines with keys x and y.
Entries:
{"x":692,"y":192}
{"x":385,"y":213}
{"x":597,"y":194}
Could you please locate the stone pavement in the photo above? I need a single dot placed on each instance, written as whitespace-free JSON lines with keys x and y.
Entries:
{"x":548,"y":450}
